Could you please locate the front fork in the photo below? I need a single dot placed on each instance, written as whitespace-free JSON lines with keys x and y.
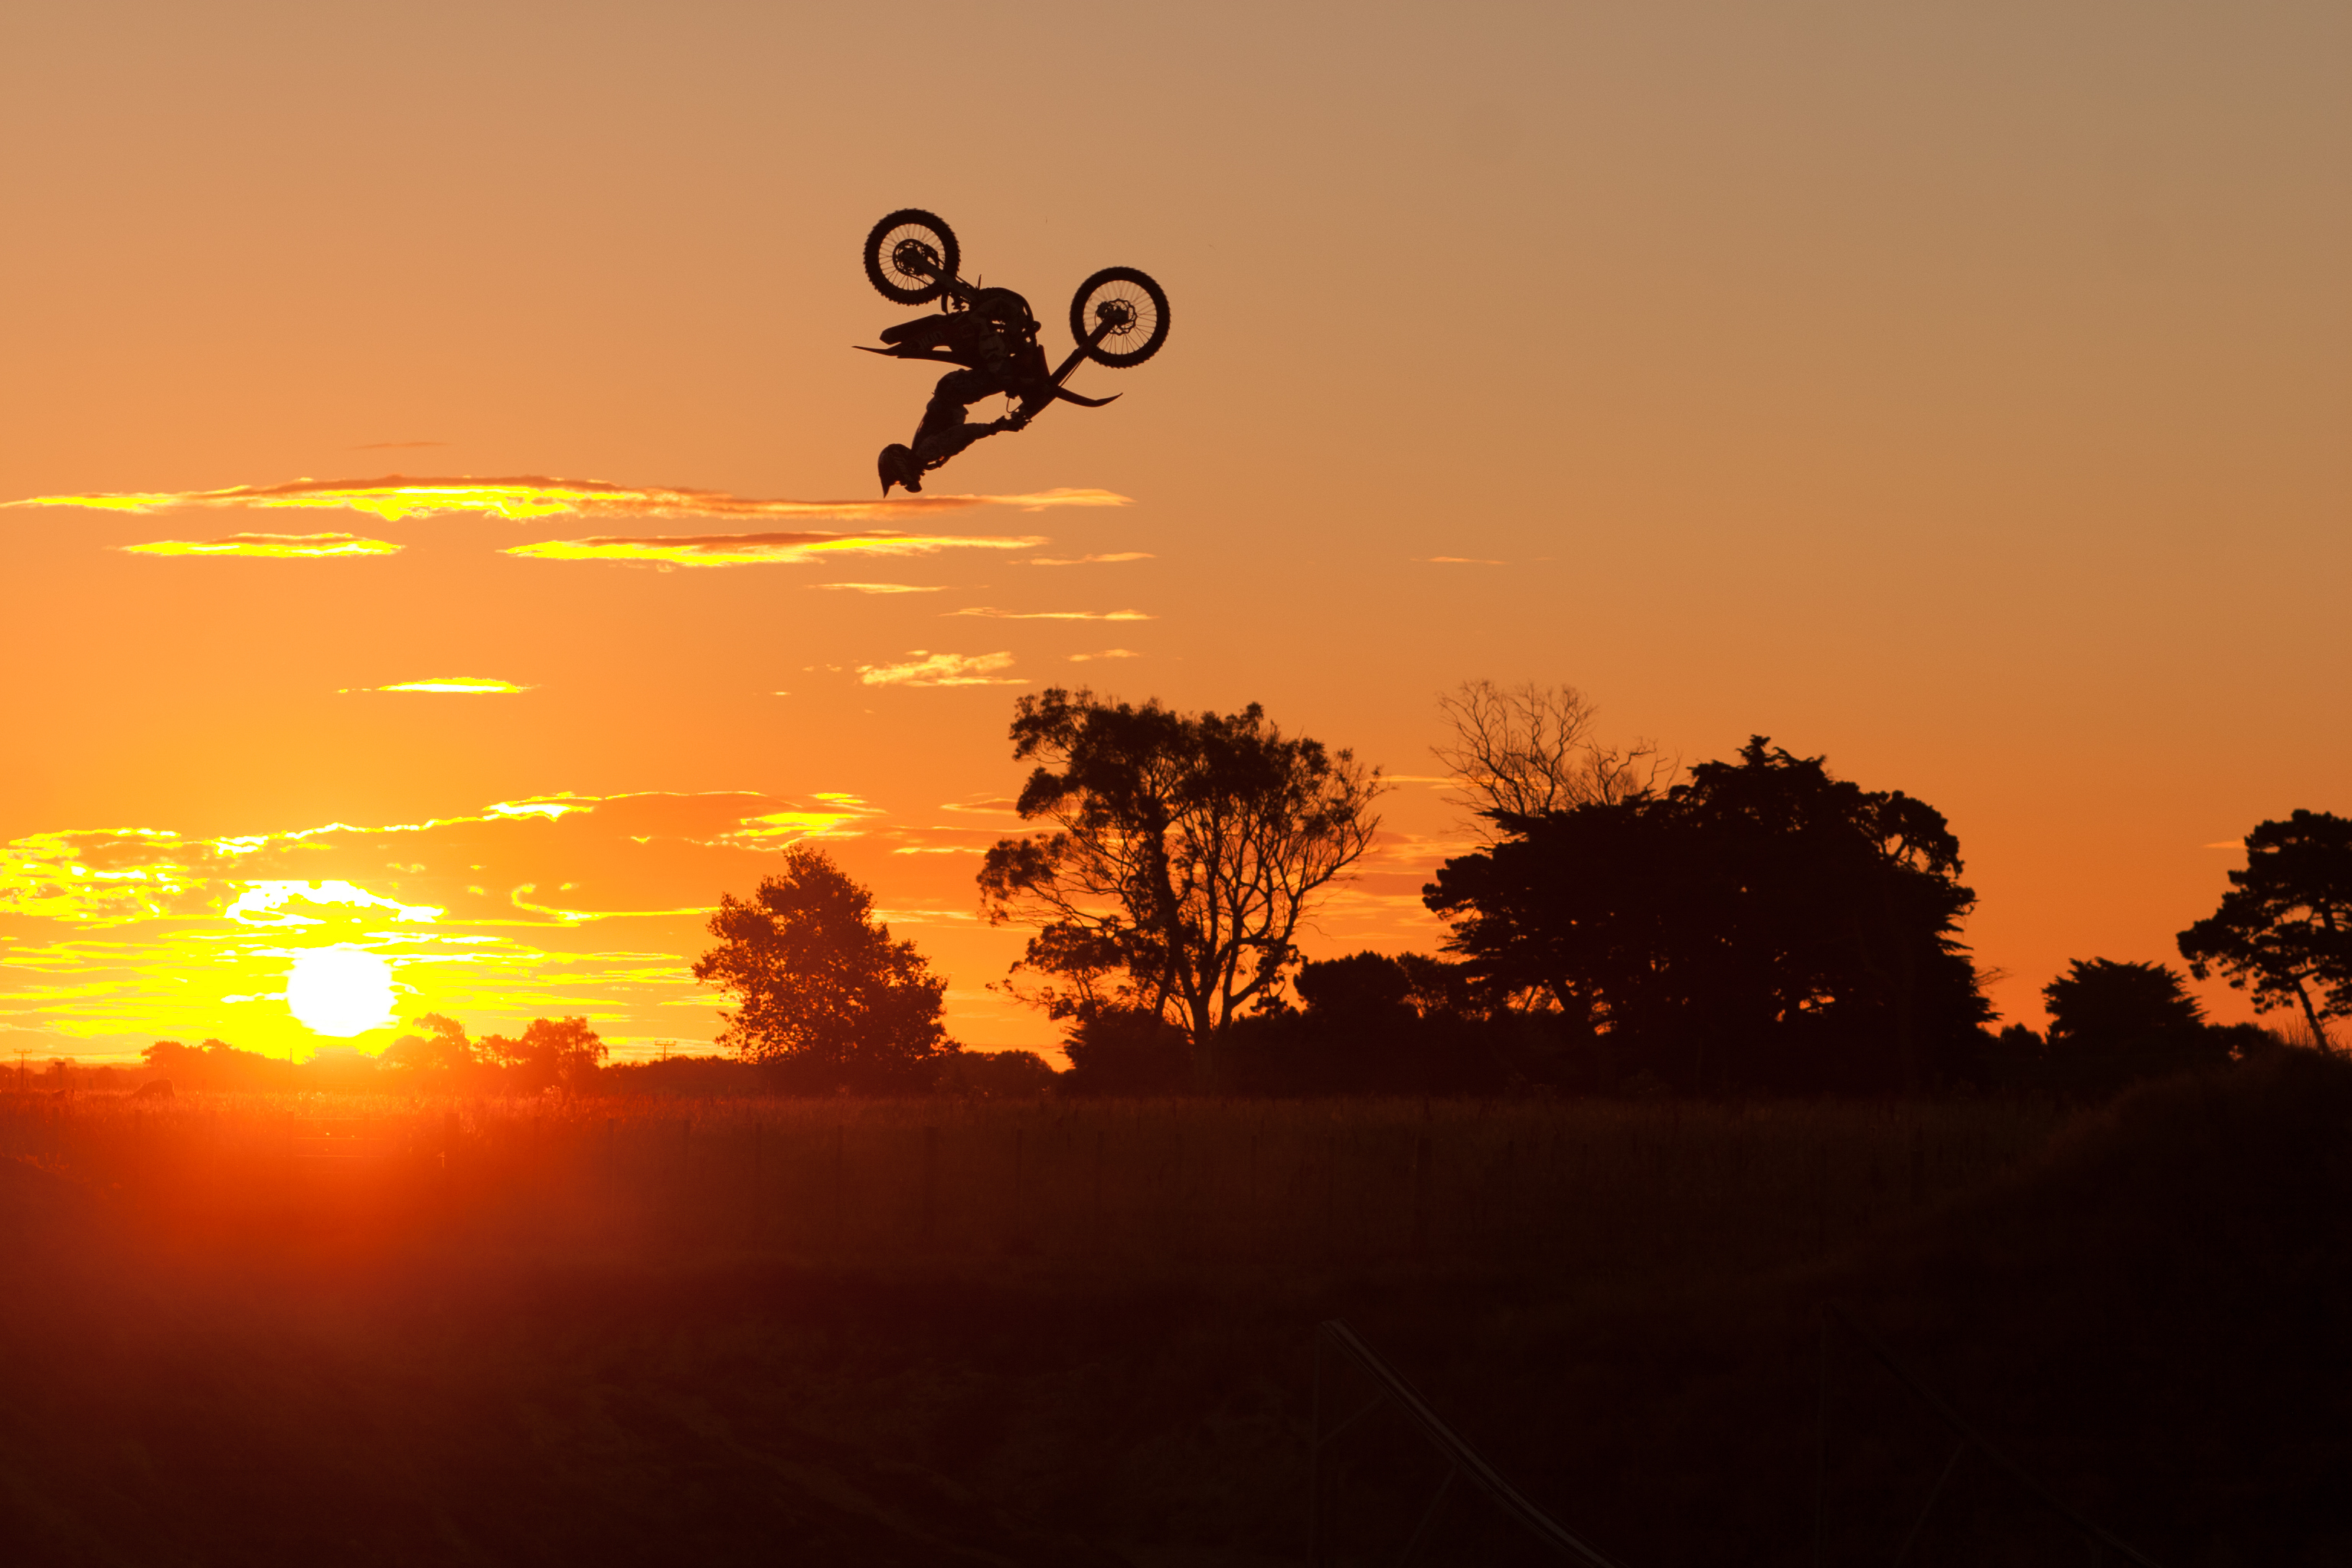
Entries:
{"x":1061,"y":373}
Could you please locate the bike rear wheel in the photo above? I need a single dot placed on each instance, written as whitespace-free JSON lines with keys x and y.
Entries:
{"x":911,"y":257}
{"x":1133,"y":307}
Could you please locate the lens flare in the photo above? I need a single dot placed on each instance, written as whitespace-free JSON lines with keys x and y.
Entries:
{"x":341,"y":991}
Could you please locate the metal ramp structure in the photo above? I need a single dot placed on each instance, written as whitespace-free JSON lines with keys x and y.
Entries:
{"x":1463,"y":1462}
{"x":1968,"y":1439}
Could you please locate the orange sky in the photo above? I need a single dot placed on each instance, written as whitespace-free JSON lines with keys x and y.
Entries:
{"x":1963,"y":395}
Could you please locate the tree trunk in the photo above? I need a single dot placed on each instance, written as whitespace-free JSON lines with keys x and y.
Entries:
{"x":2310,"y":1017}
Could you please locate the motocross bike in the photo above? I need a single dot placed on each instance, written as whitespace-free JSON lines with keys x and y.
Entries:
{"x":989,"y":336}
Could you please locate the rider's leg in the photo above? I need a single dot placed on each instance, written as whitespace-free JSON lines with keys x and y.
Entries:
{"x":944,"y":431}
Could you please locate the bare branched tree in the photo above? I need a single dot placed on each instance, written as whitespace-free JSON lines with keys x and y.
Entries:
{"x":1525,"y":749}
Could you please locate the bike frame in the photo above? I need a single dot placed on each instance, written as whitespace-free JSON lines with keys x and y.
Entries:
{"x":1055,"y":389}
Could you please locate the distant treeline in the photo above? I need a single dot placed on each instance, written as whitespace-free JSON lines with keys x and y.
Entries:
{"x":1376,"y":1024}
{"x":1761,"y":928}
{"x":1370,"y":1024}
{"x":217,"y":1066}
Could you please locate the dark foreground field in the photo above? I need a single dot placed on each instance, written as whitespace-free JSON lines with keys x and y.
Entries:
{"x":317,"y":1330}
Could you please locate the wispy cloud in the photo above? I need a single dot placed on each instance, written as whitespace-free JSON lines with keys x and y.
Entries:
{"x":1054,"y":615}
{"x":455,"y":684}
{"x":1107,"y":653}
{"x":1090,"y":559}
{"x":397,"y":497}
{"x":1458,"y":561}
{"x":270,"y":546}
{"x":879,"y":587}
{"x":942,"y":669}
{"x":831,"y":820}
{"x":760,"y":549}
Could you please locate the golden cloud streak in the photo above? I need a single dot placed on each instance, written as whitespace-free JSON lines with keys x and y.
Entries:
{"x":760,"y":549}
{"x":1054,"y":615}
{"x":1091,"y":559}
{"x":942,"y":669}
{"x":396,"y":498}
{"x":270,"y":546}
{"x":456,"y":685}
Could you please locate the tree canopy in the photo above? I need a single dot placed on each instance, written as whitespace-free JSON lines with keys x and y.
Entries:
{"x":2103,"y":1005}
{"x":549,"y":1052}
{"x":2284,"y":928}
{"x":819,"y":986}
{"x":1763,"y":924}
{"x":1182,"y":851}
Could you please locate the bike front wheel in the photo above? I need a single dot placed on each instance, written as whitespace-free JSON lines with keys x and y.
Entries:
{"x":1130,"y":308}
{"x":911,"y":257}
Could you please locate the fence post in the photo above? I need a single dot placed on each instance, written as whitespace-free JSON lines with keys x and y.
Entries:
{"x":1315,"y":1463}
{"x":837,"y":1186}
{"x":930,"y":1180}
{"x":1018,"y":1135}
{"x":1422,"y":1180}
{"x":1822,"y":1451}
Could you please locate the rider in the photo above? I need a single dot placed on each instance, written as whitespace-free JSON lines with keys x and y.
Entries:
{"x":996,"y":340}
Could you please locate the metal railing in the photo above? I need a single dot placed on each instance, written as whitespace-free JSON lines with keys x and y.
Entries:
{"x":1462,"y":1461}
{"x":1833,"y":1315}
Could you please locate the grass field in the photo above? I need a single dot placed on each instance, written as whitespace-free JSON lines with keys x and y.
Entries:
{"x":1119,"y":1187}
{"x":265,"y":1328}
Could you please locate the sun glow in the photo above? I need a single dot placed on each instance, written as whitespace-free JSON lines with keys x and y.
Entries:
{"x":341,"y":991}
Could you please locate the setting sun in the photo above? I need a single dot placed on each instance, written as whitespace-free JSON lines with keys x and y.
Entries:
{"x":340,"y":991}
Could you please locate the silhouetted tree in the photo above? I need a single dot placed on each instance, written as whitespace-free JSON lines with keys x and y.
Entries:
{"x":443,"y":1051}
{"x":2101,"y":1005}
{"x":1525,"y":749}
{"x":1127,"y":1050}
{"x":996,"y":1075}
{"x":1372,"y":984}
{"x":1377,"y":1023}
{"x":550,"y":1051}
{"x":218,"y":1065}
{"x":820,"y":987}
{"x":2284,"y":928}
{"x":2114,"y":1022}
{"x":1184,"y":850}
{"x":1763,"y":923}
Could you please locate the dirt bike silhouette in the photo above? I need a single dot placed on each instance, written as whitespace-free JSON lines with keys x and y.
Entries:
{"x":1118,"y":316}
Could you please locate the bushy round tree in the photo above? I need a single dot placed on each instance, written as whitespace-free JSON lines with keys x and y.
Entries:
{"x":819,"y":988}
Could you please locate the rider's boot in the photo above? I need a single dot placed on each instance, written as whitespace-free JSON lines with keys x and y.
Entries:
{"x":896,"y":466}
